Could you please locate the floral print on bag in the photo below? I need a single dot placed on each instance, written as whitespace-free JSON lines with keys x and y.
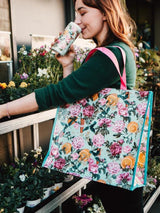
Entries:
{"x":103,"y":138}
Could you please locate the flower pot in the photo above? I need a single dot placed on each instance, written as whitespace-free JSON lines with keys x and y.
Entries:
{"x":47,"y":192}
{"x":21,"y":209}
{"x":57,"y":186}
{"x":33,"y":203}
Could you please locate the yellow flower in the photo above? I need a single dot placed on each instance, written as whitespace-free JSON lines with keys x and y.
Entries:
{"x":3,"y":85}
{"x":132,"y":127}
{"x":11,"y":84}
{"x":1,"y":210}
{"x":84,"y":155}
{"x":112,"y":100}
{"x":67,"y":148}
{"x":23,"y":85}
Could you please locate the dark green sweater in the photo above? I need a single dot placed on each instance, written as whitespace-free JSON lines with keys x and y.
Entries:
{"x":97,"y":73}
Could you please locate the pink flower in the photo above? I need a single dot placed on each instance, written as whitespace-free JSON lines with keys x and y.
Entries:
{"x":88,"y":111}
{"x":123,"y":177}
{"x":105,"y":91}
{"x":91,"y":161}
{"x":113,"y":168}
{"x":54,"y":151}
{"x":103,"y":121}
{"x":121,"y":141}
{"x":102,"y":101}
{"x":60,"y":163}
{"x":141,"y":108}
{"x":98,"y":140}
{"x":76,"y":125}
{"x":122,"y":110}
{"x":143,"y":93}
{"x":115,"y":149}
{"x":75,"y":156}
{"x":93,"y":168}
{"x":56,"y":130}
{"x":48,"y":162}
{"x":118,"y":126}
{"x":78,"y":142}
{"x":127,"y":149}
{"x":74,"y":110}
{"x":82,"y":102}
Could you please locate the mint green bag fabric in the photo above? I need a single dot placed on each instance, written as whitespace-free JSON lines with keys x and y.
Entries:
{"x":104,"y":137}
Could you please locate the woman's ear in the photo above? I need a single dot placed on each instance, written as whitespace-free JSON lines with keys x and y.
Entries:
{"x":104,"y":17}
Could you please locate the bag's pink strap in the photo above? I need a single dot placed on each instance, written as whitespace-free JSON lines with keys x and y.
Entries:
{"x":113,"y":58}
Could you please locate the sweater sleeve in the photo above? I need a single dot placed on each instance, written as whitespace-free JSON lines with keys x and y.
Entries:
{"x":95,"y":74}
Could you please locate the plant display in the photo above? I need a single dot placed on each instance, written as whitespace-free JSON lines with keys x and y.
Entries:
{"x":37,"y":68}
{"x":25,"y":179}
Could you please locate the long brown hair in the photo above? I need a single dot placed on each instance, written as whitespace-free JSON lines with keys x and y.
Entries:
{"x":121,"y":25}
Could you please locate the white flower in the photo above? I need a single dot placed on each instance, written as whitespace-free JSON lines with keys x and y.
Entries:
{"x":39,"y":150}
{"x":22,"y":177}
{"x":42,"y":72}
{"x":25,"y":52}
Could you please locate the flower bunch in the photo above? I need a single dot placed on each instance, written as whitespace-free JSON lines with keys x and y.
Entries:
{"x":82,"y":200}
{"x":96,"y":207}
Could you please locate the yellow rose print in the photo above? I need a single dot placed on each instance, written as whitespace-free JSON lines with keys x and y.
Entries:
{"x":84,"y":155}
{"x":67,"y":148}
{"x":112,"y":100}
{"x":132,"y":127}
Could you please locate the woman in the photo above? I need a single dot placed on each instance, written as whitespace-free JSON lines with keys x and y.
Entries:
{"x":109,"y":25}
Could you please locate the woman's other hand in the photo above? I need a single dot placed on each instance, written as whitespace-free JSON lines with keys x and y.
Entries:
{"x":67,"y":61}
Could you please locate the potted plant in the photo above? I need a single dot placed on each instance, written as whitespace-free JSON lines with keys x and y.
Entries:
{"x":58,"y":178}
{"x":7,"y":198}
{"x":47,"y":181}
{"x":82,"y":202}
{"x":34,"y":189}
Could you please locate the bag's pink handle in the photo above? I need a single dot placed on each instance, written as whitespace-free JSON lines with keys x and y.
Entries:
{"x":113,"y":58}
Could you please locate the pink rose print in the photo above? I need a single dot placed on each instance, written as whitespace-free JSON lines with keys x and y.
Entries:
{"x":60,"y":163}
{"x":102,"y":101}
{"x":118,"y":126}
{"x":115,"y":149}
{"x":98,"y":140}
{"x":121,"y":141}
{"x":56,"y":130}
{"x":54,"y":151}
{"x":143,"y":93}
{"x":103,"y":121}
{"x":93,"y":168}
{"x":88,"y":111}
{"x":48,"y":162}
{"x":113,"y":168}
{"x":82,"y":102}
{"x":78,"y":142}
{"x":74,"y":110}
{"x":75,"y":156}
{"x":141,"y":108}
{"x":105,"y":91}
{"x":123,"y":177}
{"x":91,"y":161}
{"x":76,"y":125}
{"x":127,"y":149}
{"x":123,"y":111}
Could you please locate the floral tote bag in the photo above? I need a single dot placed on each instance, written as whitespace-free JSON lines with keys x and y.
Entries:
{"x":104,"y":137}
